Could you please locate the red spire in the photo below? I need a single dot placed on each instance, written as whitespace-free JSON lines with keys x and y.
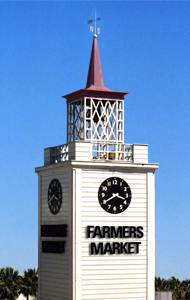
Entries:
{"x":94,"y":86}
{"x":95,"y":78}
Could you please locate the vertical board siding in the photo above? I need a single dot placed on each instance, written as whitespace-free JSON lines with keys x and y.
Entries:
{"x":55,"y":268}
{"x":117,"y":276}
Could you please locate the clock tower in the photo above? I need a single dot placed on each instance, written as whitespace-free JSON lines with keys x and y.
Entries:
{"x":96,"y":203}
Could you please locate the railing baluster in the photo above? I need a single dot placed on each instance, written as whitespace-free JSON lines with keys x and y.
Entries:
{"x":100,"y":151}
{"x":59,"y":153}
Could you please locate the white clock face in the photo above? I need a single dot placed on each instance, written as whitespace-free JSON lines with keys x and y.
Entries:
{"x":54,"y":196}
{"x":114,"y":195}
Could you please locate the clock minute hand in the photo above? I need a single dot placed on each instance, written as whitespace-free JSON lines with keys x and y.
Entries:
{"x":51,"y":199}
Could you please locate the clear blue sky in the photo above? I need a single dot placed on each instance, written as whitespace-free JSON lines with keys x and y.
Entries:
{"x":44,"y":54}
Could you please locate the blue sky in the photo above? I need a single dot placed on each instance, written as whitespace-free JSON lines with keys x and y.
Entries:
{"x":44,"y":53}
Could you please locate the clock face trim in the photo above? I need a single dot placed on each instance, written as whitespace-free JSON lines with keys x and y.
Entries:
{"x":114,"y":195}
{"x":54,"y":196}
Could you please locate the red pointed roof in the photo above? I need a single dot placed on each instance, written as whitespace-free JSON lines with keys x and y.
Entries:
{"x":95,"y":78}
{"x":95,"y":86}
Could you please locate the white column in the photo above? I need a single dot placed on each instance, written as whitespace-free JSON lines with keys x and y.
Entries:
{"x":150,"y":236}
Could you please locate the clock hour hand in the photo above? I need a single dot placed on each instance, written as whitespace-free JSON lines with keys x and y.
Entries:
{"x":51,"y":199}
{"x":118,"y":196}
{"x":113,"y":196}
{"x":56,"y":198}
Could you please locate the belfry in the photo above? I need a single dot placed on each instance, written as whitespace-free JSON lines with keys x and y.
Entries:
{"x":96,"y":203}
{"x":95,"y":114}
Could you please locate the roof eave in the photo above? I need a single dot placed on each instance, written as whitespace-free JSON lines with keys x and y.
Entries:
{"x":94,"y":94}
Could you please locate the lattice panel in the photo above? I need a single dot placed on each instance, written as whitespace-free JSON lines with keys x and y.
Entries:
{"x":95,"y":120}
{"x":107,"y":120}
{"x":75,"y":121}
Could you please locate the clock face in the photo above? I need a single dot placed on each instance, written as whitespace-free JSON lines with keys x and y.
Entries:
{"x":114,"y":195}
{"x":54,"y":196}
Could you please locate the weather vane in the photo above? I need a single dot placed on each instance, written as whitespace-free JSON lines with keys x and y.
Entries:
{"x":93,"y":28}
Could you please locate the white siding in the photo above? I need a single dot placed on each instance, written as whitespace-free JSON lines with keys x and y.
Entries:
{"x":55,"y":269}
{"x":77,"y":275}
{"x":115,"y":276}
{"x":47,"y":156}
{"x":151,"y":234}
{"x":140,"y":153}
{"x":80,"y":151}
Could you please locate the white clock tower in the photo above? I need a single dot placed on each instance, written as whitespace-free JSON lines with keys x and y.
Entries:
{"x":96,"y":203}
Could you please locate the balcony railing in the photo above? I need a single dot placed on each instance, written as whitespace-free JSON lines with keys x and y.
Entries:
{"x":53,"y":155}
{"x":86,"y":151}
{"x":112,"y":151}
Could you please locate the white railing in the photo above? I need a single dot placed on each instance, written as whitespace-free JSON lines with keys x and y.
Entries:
{"x":112,"y":151}
{"x":59,"y":153}
{"x":99,"y":150}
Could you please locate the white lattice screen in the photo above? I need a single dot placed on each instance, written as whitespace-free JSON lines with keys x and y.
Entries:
{"x":92,"y":119}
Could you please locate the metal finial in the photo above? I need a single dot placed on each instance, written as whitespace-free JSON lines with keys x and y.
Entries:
{"x":93,"y":29}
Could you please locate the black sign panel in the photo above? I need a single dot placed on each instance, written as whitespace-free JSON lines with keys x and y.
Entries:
{"x":53,"y":246}
{"x":59,"y":230}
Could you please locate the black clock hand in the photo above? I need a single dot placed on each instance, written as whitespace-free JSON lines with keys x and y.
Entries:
{"x":113,"y":196}
{"x":118,"y":196}
{"x":51,"y":199}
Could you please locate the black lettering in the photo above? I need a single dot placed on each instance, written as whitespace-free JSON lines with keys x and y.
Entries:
{"x":89,"y":231}
{"x":131,"y":247}
{"x":132,"y":232}
{"x":97,"y":232}
{"x":106,"y":232}
{"x":126,"y":232}
{"x":116,"y":232}
{"x":116,"y":247}
{"x":137,"y":247}
{"x":108,"y":249}
{"x":123,"y":248}
{"x":96,"y":248}
{"x":140,"y":234}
